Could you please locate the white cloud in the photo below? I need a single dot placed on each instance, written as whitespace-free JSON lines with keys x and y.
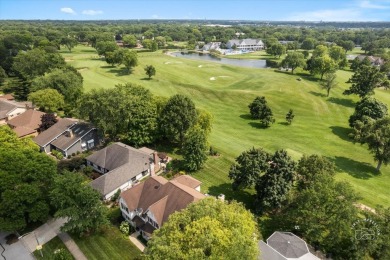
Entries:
{"x":370,"y":5}
{"x":67,"y":10}
{"x":92,"y":12}
{"x":328,"y":15}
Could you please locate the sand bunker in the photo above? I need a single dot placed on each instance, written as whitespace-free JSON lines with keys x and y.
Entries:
{"x":173,"y":62}
{"x":214,"y":78}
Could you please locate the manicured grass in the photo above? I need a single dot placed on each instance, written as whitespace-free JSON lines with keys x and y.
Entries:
{"x":49,"y":248}
{"x":320,"y":125}
{"x":110,"y":244}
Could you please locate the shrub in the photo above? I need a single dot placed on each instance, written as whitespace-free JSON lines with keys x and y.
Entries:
{"x":124,"y":228}
{"x":62,"y":254}
{"x":73,"y":154}
{"x":57,"y":154}
{"x":116,"y":195}
{"x":78,"y":152}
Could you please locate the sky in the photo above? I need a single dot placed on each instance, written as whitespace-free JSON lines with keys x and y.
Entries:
{"x":277,"y":10}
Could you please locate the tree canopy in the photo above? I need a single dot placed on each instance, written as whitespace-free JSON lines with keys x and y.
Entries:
{"x":368,"y":107}
{"x":260,"y":110}
{"x":49,"y":100}
{"x":329,"y":83}
{"x":294,"y":60}
{"x":25,"y":177}
{"x":209,"y":229}
{"x":195,"y":148}
{"x":78,"y":202}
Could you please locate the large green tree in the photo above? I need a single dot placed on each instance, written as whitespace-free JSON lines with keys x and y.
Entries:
{"x":103,"y":47}
{"x":130,"y":40}
{"x":376,"y":134}
{"x":195,"y":148}
{"x":178,"y":115}
{"x":294,"y":60}
{"x":69,"y":42}
{"x":368,"y":107}
{"x":365,"y":80}
{"x":26,"y":175}
{"x":150,"y":71}
{"x":78,"y":202}
{"x":273,"y":187}
{"x":130,"y":59}
{"x":260,"y":110}
{"x":208,"y":229}
{"x":67,"y":81}
{"x":322,"y":64}
{"x":276,"y":50}
{"x":49,"y":100}
{"x":126,"y":111}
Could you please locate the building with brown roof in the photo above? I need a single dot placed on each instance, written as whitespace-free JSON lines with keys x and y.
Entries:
{"x":68,"y":136}
{"x":121,"y":166}
{"x":27,"y":123}
{"x":148,"y":205}
{"x":10,"y":109}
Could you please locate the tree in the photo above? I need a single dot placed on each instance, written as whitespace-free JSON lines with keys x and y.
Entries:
{"x":324,"y":212}
{"x":260,"y":110}
{"x":47,"y":121}
{"x":195,"y":149}
{"x":130,"y":40}
{"x":365,"y":80}
{"x":69,"y":42}
{"x":294,"y":60}
{"x":347,"y":45}
{"x":115,"y":58}
{"x":311,"y":168}
{"x":248,"y":167}
{"x":133,"y":118}
{"x":150,"y":70}
{"x":25,"y":177}
{"x":3,"y":75}
{"x":290,"y":116}
{"x":368,"y":108}
{"x":49,"y":100}
{"x":208,"y":229}
{"x":329,"y":83}
{"x":273,"y":187}
{"x":177,"y":117}
{"x":103,"y":47}
{"x":337,"y":53}
{"x":130,"y":60}
{"x":36,"y":63}
{"x":276,"y":50}
{"x":204,"y":120}
{"x":68,"y":82}
{"x":308,"y":44}
{"x":376,"y":134}
{"x":79,"y":203}
{"x":322,"y":64}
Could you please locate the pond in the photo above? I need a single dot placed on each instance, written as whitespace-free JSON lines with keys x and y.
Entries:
{"x":207,"y":57}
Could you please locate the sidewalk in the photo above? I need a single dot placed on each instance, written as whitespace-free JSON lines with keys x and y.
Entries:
{"x":136,"y":242}
{"x":72,"y":246}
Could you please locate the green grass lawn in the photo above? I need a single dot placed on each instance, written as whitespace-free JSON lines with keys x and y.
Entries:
{"x":320,"y":125}
{"x":111,"y":244}
{"x":49,"y":248}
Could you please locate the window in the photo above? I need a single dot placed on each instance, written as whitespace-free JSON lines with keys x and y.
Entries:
{"x":144,"y":173}
{"x":91,"y":143}
{"x":133,"y":179}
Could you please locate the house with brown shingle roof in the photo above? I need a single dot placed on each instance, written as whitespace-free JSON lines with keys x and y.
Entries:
{"x":148,"y":205}
{"x":121,"y":167}
{"x":10,"y":109}
{"x":26,"y":124}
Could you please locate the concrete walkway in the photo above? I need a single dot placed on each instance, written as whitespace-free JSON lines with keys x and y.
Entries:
{"x":15,"y":251}
{"x":136,"y":242}
{"x":72,"y":246}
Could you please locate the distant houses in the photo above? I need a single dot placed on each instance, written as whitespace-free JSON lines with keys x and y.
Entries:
{"x":211,"y":46}
{"x":246,"y":44}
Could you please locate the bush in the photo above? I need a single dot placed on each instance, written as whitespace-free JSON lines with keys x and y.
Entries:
{"x":62,"y":254}
{"x":72,"y":164}
{"x":213,"y":152}
{"x":125,"y":228}
{"x":73,"y":154}
{"x":78,"y":152}
{"x":116,"y":195}
{"x":57,"y":154}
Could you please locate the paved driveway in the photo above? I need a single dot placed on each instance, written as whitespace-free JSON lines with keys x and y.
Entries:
{"x":16,"y":251}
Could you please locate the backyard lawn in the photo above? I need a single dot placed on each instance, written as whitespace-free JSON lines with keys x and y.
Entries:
{"x":49,"y":248}
{"x":110,"y":244}
{"x":320,"y":125}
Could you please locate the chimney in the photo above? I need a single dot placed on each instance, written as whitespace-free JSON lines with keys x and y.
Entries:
{"x":69,"y":133}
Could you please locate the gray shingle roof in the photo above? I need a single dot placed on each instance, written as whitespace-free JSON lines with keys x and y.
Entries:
{"x":116,"y":155}
{"x":288,"y":244}
{"x":57,"y":129}
{"x":65,"y":141}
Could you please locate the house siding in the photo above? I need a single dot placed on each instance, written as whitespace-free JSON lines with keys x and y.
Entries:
{"x":15,"y":112}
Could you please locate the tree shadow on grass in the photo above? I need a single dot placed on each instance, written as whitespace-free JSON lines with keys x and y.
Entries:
{"x":342,"y":132}
{"x":359,"y":170}
{"x":284,"y":123}
{"x":107,"y":67}
{"x":258,"y":125}
{"x":120,"y":72}
{"x":317,"y":94}
{"x":342,"y":101}
{"x":241,"y":196}
{"x":307,"y":77}
{"x":146,"y":79}
{"x":246,"y":117}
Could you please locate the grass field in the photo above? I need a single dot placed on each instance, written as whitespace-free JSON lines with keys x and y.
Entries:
{"x":108,"y":245}
{"x":320,"y":125}
{"x":49,"y":248}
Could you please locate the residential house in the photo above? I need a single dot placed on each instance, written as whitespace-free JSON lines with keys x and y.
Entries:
{"x":211,"y":46}
{"x":10,"y":109}
{"x":246,"y":44}
{"x":122,"y":166}
{"x":148,"y":205}
{"x":285,"y":246}
{"x":27,"y":123}
{"x":375,"y":61}
{"x":68,"y":136}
